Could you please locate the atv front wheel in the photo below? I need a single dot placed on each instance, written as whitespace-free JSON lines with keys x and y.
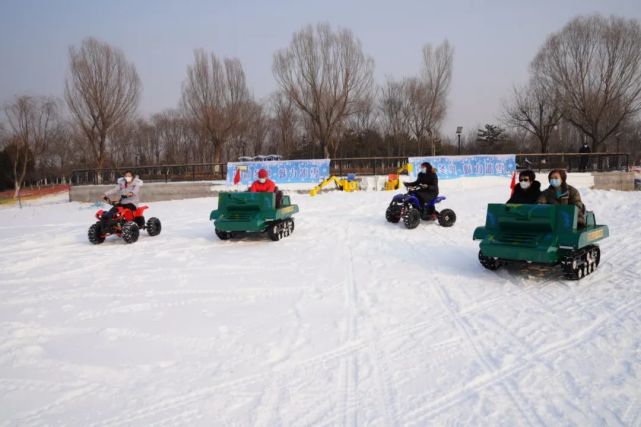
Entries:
{"x":223,"y":235}
{"x":94,"y":234}
{"x":393,"y":214}
{"x":412,"y":218}
{"x":447,"y":218}
{"x":153,"y":226}
{"x":130,"y":232}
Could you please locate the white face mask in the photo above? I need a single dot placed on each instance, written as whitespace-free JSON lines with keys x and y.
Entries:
{"x":129,"y":178}
{"x":424,"y":170}
{"x":524,"y":184}
{"x":262,"y":180}
{"x":555,"y":182}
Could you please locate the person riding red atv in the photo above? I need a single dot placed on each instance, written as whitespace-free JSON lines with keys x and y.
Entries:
{"x":123,"y":222}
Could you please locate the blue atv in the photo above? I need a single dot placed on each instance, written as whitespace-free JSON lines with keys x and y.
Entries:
{"x":408,"y":207}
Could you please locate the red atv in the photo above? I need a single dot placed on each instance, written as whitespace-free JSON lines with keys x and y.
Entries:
{"x":124,"y":223}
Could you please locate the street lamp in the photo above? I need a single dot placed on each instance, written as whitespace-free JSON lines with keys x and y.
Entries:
{"x":459,"y":131}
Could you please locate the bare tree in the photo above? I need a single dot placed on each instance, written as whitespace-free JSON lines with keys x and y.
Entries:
{"x":393,"y":116}
{"x":102,"y":91}
{"x":532,"y":110}
{"x":593,"y":68}
{"x":416,"y":110}
{"x":326,"y":75}
{"x":257,"y":130}
{"x":175,"y":136}
{"x":214,"y":98}
{"x":32,"y":121}
{"x":425,"y":103}
{"x":286,"y":126}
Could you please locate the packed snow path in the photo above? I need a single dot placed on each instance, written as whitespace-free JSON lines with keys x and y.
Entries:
{"x":350,"y":321}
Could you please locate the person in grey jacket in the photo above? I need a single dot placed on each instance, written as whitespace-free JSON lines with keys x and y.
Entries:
{"x":128,"y":191}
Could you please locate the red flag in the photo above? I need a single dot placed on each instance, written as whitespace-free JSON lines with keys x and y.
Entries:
{"x":513,"y":183}
{"x":237,"y":177}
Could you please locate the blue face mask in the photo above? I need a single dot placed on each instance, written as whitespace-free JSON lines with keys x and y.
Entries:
{"x":555,"y":182}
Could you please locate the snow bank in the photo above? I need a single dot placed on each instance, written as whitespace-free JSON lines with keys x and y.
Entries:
{"x":349,"y":321}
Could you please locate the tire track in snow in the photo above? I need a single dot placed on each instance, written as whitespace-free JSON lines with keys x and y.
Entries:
{"x":528,"y":412}
{"x":35,"y":417}
{"x":349,"y":368}
{"x":456,"y":396}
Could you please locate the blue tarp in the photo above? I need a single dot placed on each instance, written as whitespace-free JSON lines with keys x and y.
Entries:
{"x":449,"y":167}
{"x":281,"y":172}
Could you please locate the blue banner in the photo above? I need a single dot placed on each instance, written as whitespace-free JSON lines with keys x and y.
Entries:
{"x":449,"y":167}
{"x":281,"y":172}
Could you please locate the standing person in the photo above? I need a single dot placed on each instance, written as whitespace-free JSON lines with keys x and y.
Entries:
{"x":263,"y":184}
{"x":585,"y":148}
{"x":560,"y":193}
{"x":427,"y":183}
{"x":528,"y":190}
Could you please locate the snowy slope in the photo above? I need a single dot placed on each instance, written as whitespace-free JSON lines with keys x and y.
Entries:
{"x":350,"y":321}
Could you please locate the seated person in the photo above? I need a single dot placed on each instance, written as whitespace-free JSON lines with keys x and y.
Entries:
{"x":127,"y":189}
{"x":427,"y":183}
{"x":528,"y":190}
{"x":560,"y":193}
{"x":263,"y":184}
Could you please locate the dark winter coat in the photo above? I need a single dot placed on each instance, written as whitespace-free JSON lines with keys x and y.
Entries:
{"x":428,"y":182}
{"x":566,"y":195}
{"x":585,"y":149}
{"x":526,"y":197}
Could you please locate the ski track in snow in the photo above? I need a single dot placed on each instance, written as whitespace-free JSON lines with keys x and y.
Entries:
{"x":350,"y":321}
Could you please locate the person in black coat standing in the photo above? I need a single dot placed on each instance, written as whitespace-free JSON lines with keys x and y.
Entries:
{"x":528,"y":190}
{"x":427,"y":183}
{"x":585,"y":148}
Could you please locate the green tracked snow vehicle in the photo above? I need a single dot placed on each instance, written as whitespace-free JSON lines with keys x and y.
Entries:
{"x":240,"y":213}
{"x":541,"y":234}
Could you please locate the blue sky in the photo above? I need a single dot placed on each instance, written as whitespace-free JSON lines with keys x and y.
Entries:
{"x":494,"y":41}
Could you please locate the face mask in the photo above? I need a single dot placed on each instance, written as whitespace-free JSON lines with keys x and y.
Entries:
{"x":129,"y":178}
{"x":262,"y":180}
{"x":524,"y":184}
{"x":424,"y":170}
{"x":555,"y":182}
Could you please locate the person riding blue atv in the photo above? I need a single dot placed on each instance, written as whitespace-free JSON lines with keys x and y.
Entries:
{"x":419,"y":202}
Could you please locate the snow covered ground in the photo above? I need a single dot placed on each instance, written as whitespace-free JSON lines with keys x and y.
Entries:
{"x":350,"y":321}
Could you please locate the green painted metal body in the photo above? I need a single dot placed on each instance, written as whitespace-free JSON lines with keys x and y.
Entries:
{"x":536,"y":233}
{"x":250,"y":212}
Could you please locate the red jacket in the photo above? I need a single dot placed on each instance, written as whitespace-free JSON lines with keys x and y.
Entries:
{"x":267,"y":187}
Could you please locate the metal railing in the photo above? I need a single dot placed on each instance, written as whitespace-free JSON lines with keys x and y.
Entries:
{"x":572,"y":162}
{"x":160,"y":173}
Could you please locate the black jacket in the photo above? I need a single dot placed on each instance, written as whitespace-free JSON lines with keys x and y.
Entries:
{"x":526,"y":197}
{"x":427,"y":181}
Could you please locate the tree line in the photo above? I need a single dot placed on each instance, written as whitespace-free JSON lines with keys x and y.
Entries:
{"x":585,"y":85}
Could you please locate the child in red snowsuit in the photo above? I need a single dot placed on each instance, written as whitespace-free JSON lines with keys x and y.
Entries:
{"x":263,"y":184}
